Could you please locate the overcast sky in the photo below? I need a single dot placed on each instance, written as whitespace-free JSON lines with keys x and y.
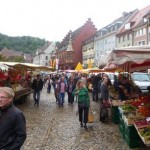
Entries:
{"x":52,"y":19}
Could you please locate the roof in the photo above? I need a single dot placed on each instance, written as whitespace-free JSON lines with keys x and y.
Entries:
{"x":89,"y":40}
{"x":43,"y":48}
{"x":9,"y":53}
{"x":116,"y":24}
{"x":64,"y":44}
{"x":137,"y":20}
{"x":147,"y":14}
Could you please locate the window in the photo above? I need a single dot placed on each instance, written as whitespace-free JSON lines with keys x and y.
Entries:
{"x":128,"y":37}
{"x":119,"y":40}
{"x":136,"y":33}
{"x":145,"y":20}
{"x":127,"y":26}
{"x":46,"y":58}
{"x":144,"y":31}
{"x":140,"y":43}
{"x":141,"y":32}
{"x":143,"y":42}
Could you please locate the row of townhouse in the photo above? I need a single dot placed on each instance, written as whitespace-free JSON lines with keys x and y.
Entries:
{"x":86,"y":44}
{"x":131,"y":29}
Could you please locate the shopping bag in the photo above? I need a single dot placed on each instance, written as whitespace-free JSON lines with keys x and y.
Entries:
{"x":91,"y":117}
{"x":76,"y":109}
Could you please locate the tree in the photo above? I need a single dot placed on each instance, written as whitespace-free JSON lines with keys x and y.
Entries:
{"x":25,"y":44}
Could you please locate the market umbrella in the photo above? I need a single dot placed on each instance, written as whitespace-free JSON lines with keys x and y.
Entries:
{"x":79,"y":67}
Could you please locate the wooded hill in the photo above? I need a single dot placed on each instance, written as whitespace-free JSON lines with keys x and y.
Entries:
{"x":25,"y":44}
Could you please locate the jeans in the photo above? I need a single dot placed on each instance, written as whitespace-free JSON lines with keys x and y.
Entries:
{"x":36,"y":96}
{"x":62,"y":97}
{"x":83,"y":114}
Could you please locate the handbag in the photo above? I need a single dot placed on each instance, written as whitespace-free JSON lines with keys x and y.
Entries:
{"x":90,"y":117}
{"x":83,"y":104}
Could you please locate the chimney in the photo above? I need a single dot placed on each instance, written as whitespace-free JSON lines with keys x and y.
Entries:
{"x":89,"y":19}
{"x":124,"y":14}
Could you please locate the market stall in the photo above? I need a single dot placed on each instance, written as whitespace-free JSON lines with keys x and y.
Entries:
{"x":130,"y":59}
{"x":132,"y":114}
{"x":18,"y":76}
{"x":133,"y":117}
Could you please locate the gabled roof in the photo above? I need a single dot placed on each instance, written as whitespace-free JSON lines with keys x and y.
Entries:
{"x":136,"y":20}
{"x":116,"y":24}
{"x":147,"y":13}
{"x":42,"y":49}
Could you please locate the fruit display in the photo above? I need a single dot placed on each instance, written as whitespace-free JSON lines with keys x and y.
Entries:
{"x":145,"y":132}
{"x":145,"y":100}
{"x":128,"y":108}
{"x":144,"y":110}
{"x":136,"y":112}
{"x":145,"y":135}
{"x":142,"y":124}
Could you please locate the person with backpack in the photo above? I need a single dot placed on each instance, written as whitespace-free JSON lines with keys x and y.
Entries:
{"x":83,"y":102}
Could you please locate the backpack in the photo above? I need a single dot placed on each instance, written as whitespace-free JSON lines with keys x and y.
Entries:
{"x":103,"y":113}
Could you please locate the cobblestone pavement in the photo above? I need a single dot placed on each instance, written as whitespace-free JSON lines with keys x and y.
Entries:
{"x":53,"y":128}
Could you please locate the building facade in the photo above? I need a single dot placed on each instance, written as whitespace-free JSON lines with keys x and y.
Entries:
{"x":68,"y":59}
{"x":105,"y":39}
{"x":88,"y":52}
{"x":133,"y":33}
{"x":147,"y":17}
{"x":43,"y":55}
{"x":140,"y":35}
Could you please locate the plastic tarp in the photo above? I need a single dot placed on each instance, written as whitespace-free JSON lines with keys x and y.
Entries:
{"x":27,"y":66}
{"x":134,"y":54}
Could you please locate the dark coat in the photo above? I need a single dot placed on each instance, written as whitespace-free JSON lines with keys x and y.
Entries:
{"x":73,"y":86}
{"x":104,"y":91}
{"x":12,"y":128}
{"x":95,"y":83}
{"x":37,"y":85}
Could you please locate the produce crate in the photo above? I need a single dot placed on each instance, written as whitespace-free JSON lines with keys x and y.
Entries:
{"x":122,"y":130}
{"x":130,"y":131}
{"x":115,"y":114}
{"x":134,"y":142}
